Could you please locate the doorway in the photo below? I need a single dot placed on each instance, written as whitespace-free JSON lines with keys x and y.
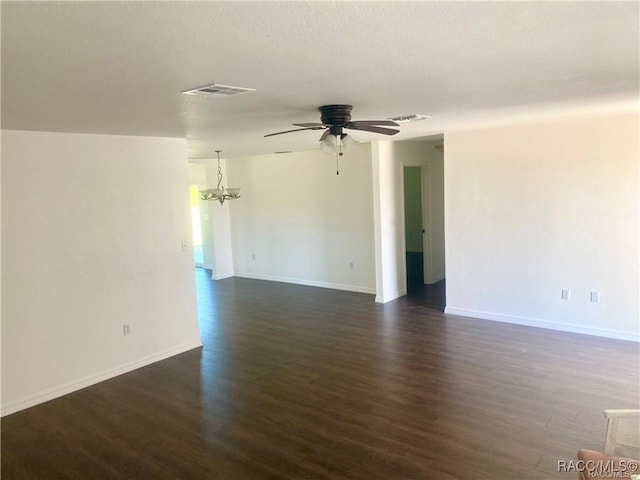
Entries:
{"x":200,"y":217}
{"x":423,"y":184}
{"x":414,"y":227}
{"x":196,"y":225}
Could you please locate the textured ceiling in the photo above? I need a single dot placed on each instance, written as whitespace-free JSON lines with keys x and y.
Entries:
{"x":119,"y":67}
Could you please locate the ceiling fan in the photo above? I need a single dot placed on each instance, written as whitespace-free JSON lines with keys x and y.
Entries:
{"x":336,"y":118}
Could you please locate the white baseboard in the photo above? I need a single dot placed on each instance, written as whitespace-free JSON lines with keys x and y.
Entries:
{"x":60,"y":390}
{"x":534,"y":322}
{"x":221,"y":276}
{"x":389,"y":298}
{"x":309,"y":283}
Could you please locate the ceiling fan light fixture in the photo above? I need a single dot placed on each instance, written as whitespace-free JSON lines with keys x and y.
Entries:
{"x":348,"y":143}
{"x":329,"y":145}
{"x":334,"y":144}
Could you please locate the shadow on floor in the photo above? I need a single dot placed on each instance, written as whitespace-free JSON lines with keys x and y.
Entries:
{"x":429,"y":296}
{"x":418,"y":293}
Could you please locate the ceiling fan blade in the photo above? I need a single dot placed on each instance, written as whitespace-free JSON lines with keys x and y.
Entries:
{"x":309,"y":125}
{"x":325,"y":135}
{"x":380,"y":123}
{"x":294,"y":130}
{"x":372,"y":128}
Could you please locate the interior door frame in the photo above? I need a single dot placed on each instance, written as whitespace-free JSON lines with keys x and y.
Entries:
{"x":427,"y":254}
{"x":426,"y":241}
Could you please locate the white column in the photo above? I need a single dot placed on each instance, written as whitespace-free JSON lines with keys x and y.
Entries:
{"x":390,"y":276}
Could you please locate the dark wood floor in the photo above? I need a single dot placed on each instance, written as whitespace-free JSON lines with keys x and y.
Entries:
{"x":298,"y":382}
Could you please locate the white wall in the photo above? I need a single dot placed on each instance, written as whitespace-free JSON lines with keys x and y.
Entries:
{"x":532,"y":209}
{"x":92,"y":227}
{"x":304,"y":223}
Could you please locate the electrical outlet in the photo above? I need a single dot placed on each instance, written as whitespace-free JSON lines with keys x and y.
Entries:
{"x":253,"y":256}
{"x":126,"y":329}
{"x":184,"y":245}
{"x":595,"y":297}
{"x":351,"y":265}
{"x":566,"y":294}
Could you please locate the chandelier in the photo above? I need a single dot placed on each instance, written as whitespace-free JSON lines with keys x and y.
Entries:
{"x":220,"y":193}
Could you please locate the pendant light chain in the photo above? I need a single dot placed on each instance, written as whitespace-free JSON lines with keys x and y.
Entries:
{"x":219,"y":171}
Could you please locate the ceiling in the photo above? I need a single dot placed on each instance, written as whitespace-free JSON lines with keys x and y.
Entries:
{"x":119,"y":67}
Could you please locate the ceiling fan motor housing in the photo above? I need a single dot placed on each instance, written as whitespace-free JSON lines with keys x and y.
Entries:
{"x":336,"y":115}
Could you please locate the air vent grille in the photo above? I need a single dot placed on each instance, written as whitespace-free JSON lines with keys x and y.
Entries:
{"x":218,"y":90}
{"x":414,"y":117}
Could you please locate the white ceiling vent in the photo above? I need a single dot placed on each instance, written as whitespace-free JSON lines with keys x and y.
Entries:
{"x":414,"y":117}
{"x":218,"y":90}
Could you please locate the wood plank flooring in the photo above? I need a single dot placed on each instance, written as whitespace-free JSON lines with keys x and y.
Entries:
{"x":298,"y":382}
